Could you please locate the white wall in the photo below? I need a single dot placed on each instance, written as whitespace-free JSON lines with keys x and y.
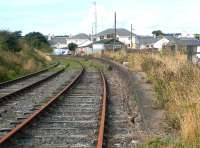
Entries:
{"x":124,"y":39}
{"x":59,"y":45}
{"x":159,"y":44}
{"x":98,"y":47}
{"x":198,"y":50}
{"x":77,"y":41}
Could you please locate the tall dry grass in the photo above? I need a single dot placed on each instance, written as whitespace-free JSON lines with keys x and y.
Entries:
{"x":177,"y":86}
{"x":13,"y":65}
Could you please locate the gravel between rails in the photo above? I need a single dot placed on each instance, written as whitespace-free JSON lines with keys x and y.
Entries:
{"x":71,"y":122}
{"x":22,"y":84}
{"x":18,"y":108}
{"x":120,"y":131}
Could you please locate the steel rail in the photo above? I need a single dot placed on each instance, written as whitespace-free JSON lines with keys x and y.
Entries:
{"x":6,"y":83}
{"x":30,"y":86}
{"x":35,"y":114}
{"x":103,"y":113}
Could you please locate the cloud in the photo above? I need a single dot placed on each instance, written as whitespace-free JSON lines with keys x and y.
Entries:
{"x":57,"y":16}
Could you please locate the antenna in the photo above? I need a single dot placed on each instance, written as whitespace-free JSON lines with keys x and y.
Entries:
{"x":131,"y":36}
{"x":95,"y":17}
{"x":115,"y":35}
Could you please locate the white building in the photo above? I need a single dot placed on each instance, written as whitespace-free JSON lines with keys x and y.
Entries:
{"x":160,"y":43}
{"x":79,"y":39}
{"x":122,"y":35}
{"x":148,"y":42}
{"x":58,"y":41}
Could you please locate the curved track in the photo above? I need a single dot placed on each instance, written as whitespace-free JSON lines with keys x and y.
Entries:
{"x":14,"y":87}
{"x":75,"y":117}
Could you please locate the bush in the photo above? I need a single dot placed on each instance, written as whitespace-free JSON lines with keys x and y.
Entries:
{"x":9,"y":41}
{"x":72,"y":46}
{"x":37,"y":40}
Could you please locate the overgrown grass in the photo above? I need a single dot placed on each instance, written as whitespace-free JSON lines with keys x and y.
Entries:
{"x":177,"y":86}
{"x":72,"y":62}
{"x":15,"y":64}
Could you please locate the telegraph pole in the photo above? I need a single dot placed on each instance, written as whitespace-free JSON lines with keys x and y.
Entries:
{"x":95,"y":18}
{"x":115,"y":36}
{"x":92,"y":38}
{"x":131,"y":36}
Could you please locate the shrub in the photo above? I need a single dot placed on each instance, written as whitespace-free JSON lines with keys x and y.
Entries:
{"x":37,"y":40}
{"x":9,"y":41}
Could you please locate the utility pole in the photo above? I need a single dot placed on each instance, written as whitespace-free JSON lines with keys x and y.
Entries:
{"x":131,"y":36}
{"x":95,"y":18}
{"x":92,"y":38}
{"x":115,"y":35}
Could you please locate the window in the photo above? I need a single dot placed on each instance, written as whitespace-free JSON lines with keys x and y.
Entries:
{"x":110,"y":36}
{"x":101,"y":37}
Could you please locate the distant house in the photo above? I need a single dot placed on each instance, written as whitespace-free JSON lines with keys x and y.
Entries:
{"x":107,"y":44}
{"x":164,"y":42}
{"x":58,"y":41}
{"x":79,"y":39}
{"x":192,"y":45}
{"x":146,"y":42}
{"x":122,"y":35}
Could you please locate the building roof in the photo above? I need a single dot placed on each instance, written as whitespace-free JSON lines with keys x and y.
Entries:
{"x":189,"y":41}
{"x":80,"y":36}
{"x":147,"y":39}
{"x":108,"y":41}
{"x":172,"y":39}
{"x":120,"y":32}
{"x":58,"y":39}
{"x":86,"y":44}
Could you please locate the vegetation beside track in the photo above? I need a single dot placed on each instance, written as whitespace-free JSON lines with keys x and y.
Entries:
{"x":72,"y":62}
{"x":177,"y":86}
{"x":20,"y":56}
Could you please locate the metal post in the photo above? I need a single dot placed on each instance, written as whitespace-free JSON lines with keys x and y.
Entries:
{"x":95,"y":17}
{"x":92,"y":38}
{"x":115,"y":36}
{"x":131,"y":36}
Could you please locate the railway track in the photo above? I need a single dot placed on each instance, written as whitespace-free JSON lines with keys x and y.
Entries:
{"x":72,"y":118}
{"x":16,"y":106}
{"x":14,"y":87}
{"x":7,"y":83}
{"x":80,"y":114}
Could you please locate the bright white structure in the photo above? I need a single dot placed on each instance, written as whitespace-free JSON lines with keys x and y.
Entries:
{"x":159,"y":44}
{"x":79,"y":39}
{"x":58,"y":41}
{"x":122,"y":35}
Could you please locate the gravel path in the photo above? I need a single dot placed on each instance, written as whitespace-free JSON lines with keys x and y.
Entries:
{"x":19,"y":107}
{"x":120,"y":129}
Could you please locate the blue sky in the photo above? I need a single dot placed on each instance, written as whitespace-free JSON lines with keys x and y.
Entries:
{"x":62,"y":17}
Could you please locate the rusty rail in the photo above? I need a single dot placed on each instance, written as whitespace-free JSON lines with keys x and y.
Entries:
{"x":2,"y":84}
{"x":30,"y":86}
{"x":103,"y":113}
{"x":35,"y":114}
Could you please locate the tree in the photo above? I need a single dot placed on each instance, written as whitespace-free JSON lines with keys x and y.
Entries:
{"x":157,"y":33}
{"x":197,"y":36}
{"x":72,"y":47}
{"x":9,"y":41}
{"x":36,"y":40}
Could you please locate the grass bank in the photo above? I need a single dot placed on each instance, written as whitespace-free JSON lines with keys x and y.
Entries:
{"x":177,"y":86}
{"x":15,"y":64}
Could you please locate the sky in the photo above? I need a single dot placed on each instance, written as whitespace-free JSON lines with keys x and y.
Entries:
{"x":69,"y":17}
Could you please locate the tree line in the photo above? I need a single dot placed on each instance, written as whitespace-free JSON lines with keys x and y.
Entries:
{"x":14,"y":41}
